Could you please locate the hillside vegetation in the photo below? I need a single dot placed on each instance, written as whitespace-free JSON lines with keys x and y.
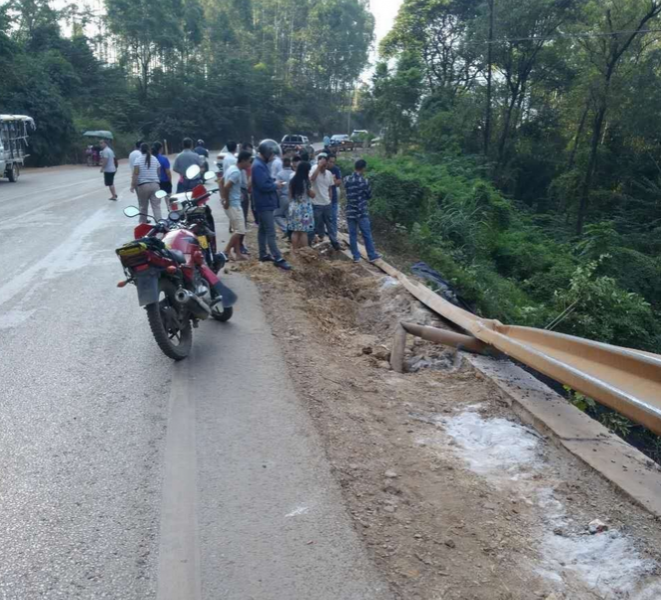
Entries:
{"x":214,"y":69}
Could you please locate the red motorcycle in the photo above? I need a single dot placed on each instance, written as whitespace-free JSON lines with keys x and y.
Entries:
{"x":175,"y":285}
{"x":195,"y":212}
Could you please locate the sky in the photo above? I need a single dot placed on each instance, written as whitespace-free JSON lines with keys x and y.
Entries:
{"x":385,"y":12}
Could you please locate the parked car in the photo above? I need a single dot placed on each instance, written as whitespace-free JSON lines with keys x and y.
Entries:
{"x":361,"y":138}
{"x":14,"y":144}
{"x":341,"y":143}
{"x":296,"y":143}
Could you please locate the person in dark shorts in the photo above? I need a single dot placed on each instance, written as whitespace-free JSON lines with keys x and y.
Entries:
{"x":108,"y":168}
{"x":166,"y":172}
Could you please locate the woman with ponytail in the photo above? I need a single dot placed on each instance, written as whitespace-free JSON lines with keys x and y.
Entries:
{"x":146,"y":182}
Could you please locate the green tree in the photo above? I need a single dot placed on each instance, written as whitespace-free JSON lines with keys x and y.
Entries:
{"x":620,"y":22}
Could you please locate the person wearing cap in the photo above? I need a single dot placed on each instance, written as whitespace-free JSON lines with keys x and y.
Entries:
{"x":323,"y":182}
{"x":202,"y":151}
{"x":265,"y":195}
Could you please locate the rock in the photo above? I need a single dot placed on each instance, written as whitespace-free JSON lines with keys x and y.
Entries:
{"x":390,"y":474}
{"x":382,"y":353}
{"x":597,"y":526}
{"x":382,"y":364}
{"x":368,"y":350}
{"x":559,"y":531}
{"x":553,"y":597}
{"x":389,"y":508}
{"x":450,"y":543}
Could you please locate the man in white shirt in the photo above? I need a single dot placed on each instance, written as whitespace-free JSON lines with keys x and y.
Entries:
{"x":275,"y":166}
{"x":323,"y":182}
{"x":135,"y":155}
{"x":230,"y":158}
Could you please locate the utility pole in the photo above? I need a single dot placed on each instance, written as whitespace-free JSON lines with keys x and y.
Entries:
{"x":487,"y":120}
{"x":349,"y":109}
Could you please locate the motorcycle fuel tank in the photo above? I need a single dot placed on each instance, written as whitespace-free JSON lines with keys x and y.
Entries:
{"x":183,"y":240}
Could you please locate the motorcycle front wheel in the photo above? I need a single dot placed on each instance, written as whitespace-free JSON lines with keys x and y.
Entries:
{"x":173,"y":337}
{"x":222,"y":314}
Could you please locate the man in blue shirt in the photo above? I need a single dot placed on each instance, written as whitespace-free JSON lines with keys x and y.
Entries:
{"x":335,"y":193}
{"x":265,"y":195}
{"x":359,"y":192}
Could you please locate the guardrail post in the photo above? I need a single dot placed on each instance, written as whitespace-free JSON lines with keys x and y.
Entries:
{"x":398,"y":350}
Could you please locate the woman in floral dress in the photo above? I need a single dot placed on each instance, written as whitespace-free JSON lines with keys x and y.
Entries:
{"x":300,"y":220}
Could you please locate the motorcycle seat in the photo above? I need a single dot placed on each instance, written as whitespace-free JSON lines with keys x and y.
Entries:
{"x":178,"y":256}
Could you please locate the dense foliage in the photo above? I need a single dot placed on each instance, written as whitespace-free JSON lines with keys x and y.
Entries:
{"x":526,"y":156}
{"x":514,"y":265}
{"x":216,"y":69}
{"x":560,"y":99}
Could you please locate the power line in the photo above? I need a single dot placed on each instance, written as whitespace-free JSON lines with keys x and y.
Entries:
{"x":579,"y":35}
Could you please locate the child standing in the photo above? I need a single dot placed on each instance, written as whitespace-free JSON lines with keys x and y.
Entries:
{"x":359,"y":192}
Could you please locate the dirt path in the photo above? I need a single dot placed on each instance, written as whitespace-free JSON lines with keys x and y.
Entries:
{"x":454,"y":499}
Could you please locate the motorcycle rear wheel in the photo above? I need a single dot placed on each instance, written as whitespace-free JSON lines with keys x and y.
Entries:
{"x":175,"y":343}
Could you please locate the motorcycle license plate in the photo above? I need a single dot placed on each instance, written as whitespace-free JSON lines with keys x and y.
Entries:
{"x":132,"y":251}
{"x":203,"y":242}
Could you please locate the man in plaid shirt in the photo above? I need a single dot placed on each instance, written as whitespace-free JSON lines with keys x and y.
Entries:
{"x":359,"y":193}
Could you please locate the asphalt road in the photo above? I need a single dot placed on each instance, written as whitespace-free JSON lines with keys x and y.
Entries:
{"x":125,"y":476}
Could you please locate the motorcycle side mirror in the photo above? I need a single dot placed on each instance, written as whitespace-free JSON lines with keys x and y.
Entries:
{"x":209,"y":175}
{"x":193,"y":172}
{"x":174,"y":216}
{"x":131,"y":211}
{"x":161,"y":194}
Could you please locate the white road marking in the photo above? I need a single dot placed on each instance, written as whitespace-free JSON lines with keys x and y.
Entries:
{"x":59,"y":259}
{"x":299,"y":510}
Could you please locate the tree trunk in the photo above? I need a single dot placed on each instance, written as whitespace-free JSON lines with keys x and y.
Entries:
{"x":506,"y":126}
{"x":577,"y":138}
{"x":487,"y":119}
{"x":592,"y":164}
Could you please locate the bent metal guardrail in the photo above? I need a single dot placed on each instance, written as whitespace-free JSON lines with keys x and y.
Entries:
{"x":626,"y":380}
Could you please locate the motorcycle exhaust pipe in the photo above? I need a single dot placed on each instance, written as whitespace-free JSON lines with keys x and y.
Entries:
{"x":198,"y":307}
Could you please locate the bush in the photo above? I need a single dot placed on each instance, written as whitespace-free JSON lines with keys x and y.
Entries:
{"x":506,"y":265}
{"x":604,"y":311}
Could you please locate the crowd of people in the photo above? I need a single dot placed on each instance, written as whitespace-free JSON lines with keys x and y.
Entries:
{"x":295,"y":194}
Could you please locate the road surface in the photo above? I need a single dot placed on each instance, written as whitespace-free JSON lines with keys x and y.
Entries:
{"x":125,"y":476}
